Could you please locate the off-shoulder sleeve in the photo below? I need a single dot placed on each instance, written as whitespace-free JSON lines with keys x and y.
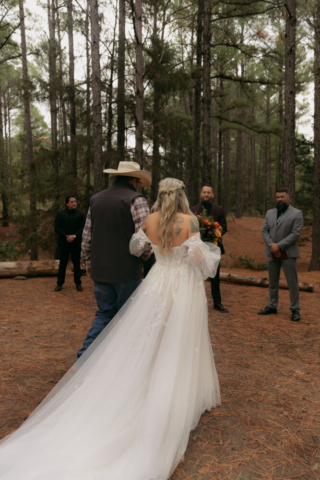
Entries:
{"x":138,"y":243}
{"x":204,"y":256}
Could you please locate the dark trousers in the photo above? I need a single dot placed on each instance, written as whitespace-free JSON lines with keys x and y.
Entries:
{"x":110,"y":298}
{"x":65,"y":251}
{"x":215,"y":288}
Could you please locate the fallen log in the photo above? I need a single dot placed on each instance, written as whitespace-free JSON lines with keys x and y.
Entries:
{"x":261,"y":282}
{"x":39,"y":268}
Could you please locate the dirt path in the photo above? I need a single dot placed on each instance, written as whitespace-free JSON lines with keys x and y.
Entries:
{"x":268,"y":426}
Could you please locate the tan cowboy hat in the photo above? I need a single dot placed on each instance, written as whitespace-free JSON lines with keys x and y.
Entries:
{"x":131,"y":169}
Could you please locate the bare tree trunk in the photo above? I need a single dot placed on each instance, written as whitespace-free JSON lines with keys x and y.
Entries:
{"x":121,"y":119}
{"x":253,"y":175}
{"x":72,"y":100}
{"x":53,"y":97}
{"x":156,"y":171}
{"x":290,"y":100}
{"x":194,"y":176}
{"x":4,"y":173}
{"x":96,"y":97}
{"x":9,"y":133}
{"x":136,"y":8}
{"x":28,"y":130}
{"x":227,"y":175}
{"x":315,"y":257}
{"x":88,"y":106}
{"x":110,"y":99}
{"x":239,"y":187}
{"x":61,"y":93}
{"x":206,"y":129}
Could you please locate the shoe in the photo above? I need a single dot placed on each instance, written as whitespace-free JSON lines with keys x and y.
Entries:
{"x":295,"y":317}
{"x":58,"y":288}
{"x":268,"y":311}
{"x":220,"y":307}
{"x":79,"y":288}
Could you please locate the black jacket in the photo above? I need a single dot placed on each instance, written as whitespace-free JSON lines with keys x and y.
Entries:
{"x":69,"y":222}
{"x":219,"y":216}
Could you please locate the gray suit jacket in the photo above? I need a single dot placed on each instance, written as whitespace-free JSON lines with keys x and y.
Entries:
{"x":286,"y":234}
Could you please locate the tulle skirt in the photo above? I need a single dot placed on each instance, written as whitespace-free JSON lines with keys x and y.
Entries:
{"x":125,"y":410}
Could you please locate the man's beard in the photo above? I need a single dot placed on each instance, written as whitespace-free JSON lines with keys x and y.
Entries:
{"x":282,"y":206}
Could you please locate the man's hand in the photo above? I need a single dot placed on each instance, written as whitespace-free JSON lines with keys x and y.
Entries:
{"x":274,"y":247}
{"x":70,"y":238}
{"x":88,"y":271}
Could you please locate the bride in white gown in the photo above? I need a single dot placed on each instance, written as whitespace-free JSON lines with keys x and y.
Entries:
{"x":125,"y":410}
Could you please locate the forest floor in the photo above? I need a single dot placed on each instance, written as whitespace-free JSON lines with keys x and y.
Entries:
{"x":268,"y":426}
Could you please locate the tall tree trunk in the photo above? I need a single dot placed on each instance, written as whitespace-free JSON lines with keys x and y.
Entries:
{"x":137,"y":26}
{"x":290,"y":99}
{"x":61,"y":93}
{"x":253,"y":175}
{"x":96,"y":97}
{"x":110,"y":155}
{"x":121,"y":113}
{"x":156,"y":170}
{"x":4,"y":172}
{"x":9,"y":134}
{"x":239,"y":183}
{"x":194,"y":175}
{"x":206,"y":129}
{"x":315,"y":257}
{"x":88,"y":106}
{"x":227,"y":174}
{"x":53,"y":98}
{"x":28,"y":130}
{"x":72,"y":100}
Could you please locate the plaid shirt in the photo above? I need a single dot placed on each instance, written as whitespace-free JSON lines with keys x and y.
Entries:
{"x":139,"y":210}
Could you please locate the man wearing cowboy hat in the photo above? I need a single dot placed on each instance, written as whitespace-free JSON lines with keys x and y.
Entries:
{"x":114,"y":216}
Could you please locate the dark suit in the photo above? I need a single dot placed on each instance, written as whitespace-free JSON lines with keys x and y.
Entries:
{"x":69,"y":222}
{"x":219,"y":216}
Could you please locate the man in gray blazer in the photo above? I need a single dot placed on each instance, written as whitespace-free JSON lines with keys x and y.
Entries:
{"x":281,"y":230}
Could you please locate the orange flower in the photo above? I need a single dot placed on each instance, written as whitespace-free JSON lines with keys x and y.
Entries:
{"x":216,"y":224}
{"x":218,"y":233}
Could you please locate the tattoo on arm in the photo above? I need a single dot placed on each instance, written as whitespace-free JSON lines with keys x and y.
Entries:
{"x":176,"y":228}
{"x":194,"y":225}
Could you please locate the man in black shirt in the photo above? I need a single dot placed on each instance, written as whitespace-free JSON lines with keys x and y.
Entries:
{"x":69,"y":225}
{"x":219,"y":216}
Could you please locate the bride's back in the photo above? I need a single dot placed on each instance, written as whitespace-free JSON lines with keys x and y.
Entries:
{"x":183,"y":227}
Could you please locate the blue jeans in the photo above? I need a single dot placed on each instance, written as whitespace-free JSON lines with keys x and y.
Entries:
{"x":110,"y":298}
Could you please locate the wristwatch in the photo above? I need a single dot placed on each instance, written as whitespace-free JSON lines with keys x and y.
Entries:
{"x":75,"y":236}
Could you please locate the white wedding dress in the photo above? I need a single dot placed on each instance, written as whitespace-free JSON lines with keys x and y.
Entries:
{"x":125,"y":410}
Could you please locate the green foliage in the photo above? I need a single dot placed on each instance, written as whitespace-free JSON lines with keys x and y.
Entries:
{"x":8,"y":251}
{"x":248,"y":262}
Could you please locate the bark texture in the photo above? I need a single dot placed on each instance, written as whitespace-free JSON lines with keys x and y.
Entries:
{"x":96,"y":97}
{"x":136,"y":8}
{"x":28,"y":130}
{"x":315,"y":257}
{"x":121,"y":125}
{"x":290,"y":100}
{"x":40,"y":268}
{"x":197,"y":106}
{"x":206,"y":128}
{"x":72,"y":98}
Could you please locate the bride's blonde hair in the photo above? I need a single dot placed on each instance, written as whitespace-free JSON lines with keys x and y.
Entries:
{"x":171,"y":200}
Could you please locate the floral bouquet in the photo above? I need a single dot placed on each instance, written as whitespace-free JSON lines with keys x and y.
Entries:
{"x":210,"y":231}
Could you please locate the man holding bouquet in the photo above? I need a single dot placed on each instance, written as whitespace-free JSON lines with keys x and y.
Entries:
{"x":207,"y":207}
